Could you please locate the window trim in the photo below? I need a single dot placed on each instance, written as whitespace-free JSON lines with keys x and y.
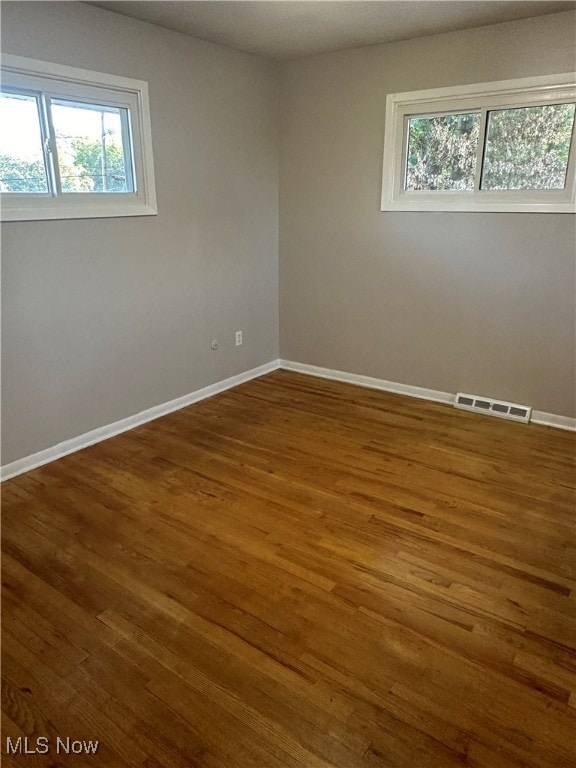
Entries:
{"x":480,"y":97}
{"x":60,"y":81}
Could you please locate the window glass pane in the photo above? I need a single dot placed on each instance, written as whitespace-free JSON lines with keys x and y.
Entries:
{"x":92,"y":151}
{"x":528,"y":147}
{"x":22,"y":166}
{"x":442,"y":152}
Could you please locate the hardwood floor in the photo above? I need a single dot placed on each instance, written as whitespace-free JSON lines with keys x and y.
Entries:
{"x":296,"y":573}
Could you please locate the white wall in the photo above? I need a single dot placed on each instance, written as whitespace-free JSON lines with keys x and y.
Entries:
{"x":104,"y":318}
{"x":481,"y":303}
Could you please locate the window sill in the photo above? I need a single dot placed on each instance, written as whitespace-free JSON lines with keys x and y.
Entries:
{"x":476,"y":206}
{"x":73,"y":212}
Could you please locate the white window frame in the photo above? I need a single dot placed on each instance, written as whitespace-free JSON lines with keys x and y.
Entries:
{"x":480,"y":97}
{"x":58,"y":81}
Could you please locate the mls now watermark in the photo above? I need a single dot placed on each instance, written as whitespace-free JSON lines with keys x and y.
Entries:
{"x":42,"y":745}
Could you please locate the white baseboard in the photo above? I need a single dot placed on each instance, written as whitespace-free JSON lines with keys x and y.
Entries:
{"x":538,"y":417}
{"x":103,"y":433}
{"x":369,"y":381}
{"x":552,"y":420}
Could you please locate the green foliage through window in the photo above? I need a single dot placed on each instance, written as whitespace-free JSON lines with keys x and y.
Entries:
{"x":528,"y":147}
{"x":94,"y":169}
{"x":18,"y":175}
{"x":89,"y":138}
{"x":442,"y":152}
{"x":84,"y":173}
{"x":525,"y":148}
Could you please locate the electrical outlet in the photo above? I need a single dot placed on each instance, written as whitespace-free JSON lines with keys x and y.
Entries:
{"x":214,"y":344}
{"x":238,"y":338}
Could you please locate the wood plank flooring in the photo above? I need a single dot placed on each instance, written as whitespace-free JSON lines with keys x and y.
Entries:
{"x":296,"y":573}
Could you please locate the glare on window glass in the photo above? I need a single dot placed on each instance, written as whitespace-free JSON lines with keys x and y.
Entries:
{"x":442,"y":152}
{"x":528,"y":147}
{"x":22,"y":166}
{"x":90,"y":143}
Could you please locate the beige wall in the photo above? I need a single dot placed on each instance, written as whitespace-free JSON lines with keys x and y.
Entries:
{"x":483,"y":303}
{"x":104,"y":318}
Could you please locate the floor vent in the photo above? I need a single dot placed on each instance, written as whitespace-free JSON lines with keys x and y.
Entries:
{"x":493,"y":407}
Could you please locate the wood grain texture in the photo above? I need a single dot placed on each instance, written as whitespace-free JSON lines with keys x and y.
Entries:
{"x":297,"y":573}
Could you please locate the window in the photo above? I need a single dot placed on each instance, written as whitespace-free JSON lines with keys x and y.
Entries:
{"x":501,"y":147}
{"x":73,"y":143}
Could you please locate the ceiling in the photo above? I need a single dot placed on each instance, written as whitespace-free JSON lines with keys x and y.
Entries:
{"x":278,"y":29}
